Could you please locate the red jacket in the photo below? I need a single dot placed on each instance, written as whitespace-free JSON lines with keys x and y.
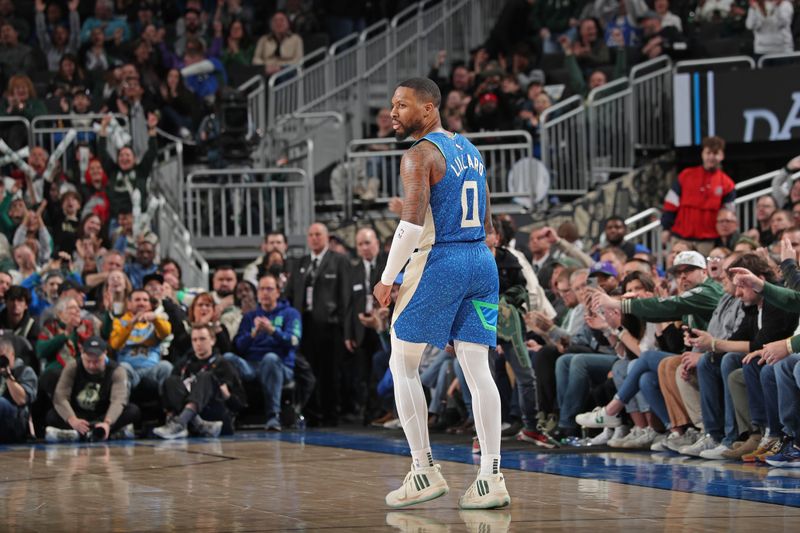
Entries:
{"x":692,"y":203}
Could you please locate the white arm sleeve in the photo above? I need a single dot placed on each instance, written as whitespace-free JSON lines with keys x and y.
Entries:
{"x":406,"y":239}
{"x":201,"y":67}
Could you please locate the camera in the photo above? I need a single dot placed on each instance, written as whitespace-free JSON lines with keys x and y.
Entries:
{"x":96,"y":434}
{"x":4,"y":362}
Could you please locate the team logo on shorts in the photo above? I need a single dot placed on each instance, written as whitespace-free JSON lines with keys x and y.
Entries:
{"x":487,"y":313}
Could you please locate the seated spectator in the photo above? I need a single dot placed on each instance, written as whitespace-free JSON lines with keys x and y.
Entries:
{"x":94,"y":55}
{"x":6,"y":280}
{"x":91,"y":399}
{"x":137,"y":338}
{"x":658,"y":40}
{"x":122,"y":237}
{"x":223,"y":283}
{"x":153,"y":284}
{"x":202,"y":392}
{"x":180,"y":106}
{"x":69,"y":77}
{"x":489,"y":109}
{"x":16,"y":315}
{"x":15,"y":56}
{"x":727,"y":228}
{"x":267,"y":339}
{"x":143,"y":264}
{"x":18,"y":384}
{"x":112,"y":297}
{"x":64,"y":40}
{"x":280,"y":47}
{"x":589,"y":49}
{"x":245,"y":295}
{"x":20,"y":99}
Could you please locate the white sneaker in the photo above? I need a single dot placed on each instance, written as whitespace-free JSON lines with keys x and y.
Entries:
{"x":419,"y":486}
{"x":715,"y":453}
{"x":620,"y":442}
{"x":601,"y":439}
{"x":53,"y":434}
{"x":706,"y":442}
{"x":598,"y":418}
{"x":393,"y":424}
{"x":660,"y":442}
{"x":482,"y":521}
{"x":644,"y":439}
{"x":621,"y":433}
{"x":689,"y":437}
{"x":486,"y":492}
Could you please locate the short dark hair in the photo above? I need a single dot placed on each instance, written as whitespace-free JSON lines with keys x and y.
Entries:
{"x":755,"y":264}
{"x":269,"y":275}
{"x":614,"y":218}
{"x":16,"y":292}
{"x":282,"y":234}
{"x":714,"y":143}
{"x":424,"y":88}
{"x":645,"y":279}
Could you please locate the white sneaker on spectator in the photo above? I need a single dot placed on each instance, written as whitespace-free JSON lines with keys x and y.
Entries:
{"x":393,"y":424}
{"x":689,"y":437}
{"x":598,"y":418}
{"x":53,"y":434}
{"x":706,"y":442}
{"x":620,"y":434}
{"x":642,"y":440}
{"x":715,"y":453}
{"x":171,"y":430}
{"x":419,"y":486}
{"x":620,"y":442}
{"x":486,"y":492}
{"x":659,"y":444}
{"x":601,"y":439}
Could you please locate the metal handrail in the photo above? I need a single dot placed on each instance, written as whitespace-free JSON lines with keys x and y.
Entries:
{"x":598,"y":96}
{"x":715,"y":61}
{"x":657,"y":64}
{"x":769,"y":57}
{"x":639,"y":216}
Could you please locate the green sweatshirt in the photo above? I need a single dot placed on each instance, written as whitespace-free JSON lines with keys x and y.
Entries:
{"x":787,"y":299}
{"x":694,"y":307}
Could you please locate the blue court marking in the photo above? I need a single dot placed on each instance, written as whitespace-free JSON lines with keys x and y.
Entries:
{"x":659,"y":471}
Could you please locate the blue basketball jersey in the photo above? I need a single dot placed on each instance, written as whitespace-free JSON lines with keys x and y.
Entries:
{"x":458,"y":201}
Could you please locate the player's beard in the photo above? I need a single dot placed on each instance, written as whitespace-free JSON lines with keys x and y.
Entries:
{"x":404,"y":133}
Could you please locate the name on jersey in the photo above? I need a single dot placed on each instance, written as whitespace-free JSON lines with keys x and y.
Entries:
{"x":463,"y":162}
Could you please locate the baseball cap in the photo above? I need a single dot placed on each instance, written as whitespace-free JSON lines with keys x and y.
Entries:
{"x":95,"y":346}
{"x":688,"y":258}
{"x":69,"y":284}
{"x":155,"y":276}
{"x":649,"y":14}
{"x":536,"y":76}
{"x":603,"y":267}
{"x":567,"y":262}
{"x":488,"y":97}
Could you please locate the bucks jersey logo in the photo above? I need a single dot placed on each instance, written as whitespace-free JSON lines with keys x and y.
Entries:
{"x":89,"y":397}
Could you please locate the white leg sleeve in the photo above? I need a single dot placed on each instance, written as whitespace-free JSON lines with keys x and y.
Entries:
{"x":408,"y":394}
{"x":474,"y":361}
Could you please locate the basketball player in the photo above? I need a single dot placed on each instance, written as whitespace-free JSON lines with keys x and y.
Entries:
{"x":449,"y":291}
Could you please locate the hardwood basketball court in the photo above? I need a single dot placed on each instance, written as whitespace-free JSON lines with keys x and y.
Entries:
{"x":336,"y":481}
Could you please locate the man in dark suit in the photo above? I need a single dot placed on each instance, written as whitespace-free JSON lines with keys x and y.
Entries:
{"x":320,"y":288}
{"x":361,"y":342}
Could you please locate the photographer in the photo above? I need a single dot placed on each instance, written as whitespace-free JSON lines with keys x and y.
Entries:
{"x":203,"y":383}
{"x":91,"y":398}
{"x":18,"y":384}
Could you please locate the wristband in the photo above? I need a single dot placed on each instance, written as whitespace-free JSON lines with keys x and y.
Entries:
{"x":406,"y":239}
{"x":713,"y":345}
{"x":789,"y":345}
{"x":620,"y":332}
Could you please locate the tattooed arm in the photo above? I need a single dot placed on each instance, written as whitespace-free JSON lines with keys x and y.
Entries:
{"x":420,"y":166}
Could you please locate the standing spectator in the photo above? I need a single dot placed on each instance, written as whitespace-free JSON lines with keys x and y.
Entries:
{"x":137,"y":337}
{"x":695,"y":198}
{"x":91,"y":399}
{"x":64,"y":40}
{"x":238,"y":47}
{"x":268,"y":338}
{"x":280,"y":47}
{"x":771,"y":24}
{"x":667,"y":17}
{"x":202,"y":392}
{"x":126,"y":176}
{"x":658,"y":40}
{"x":18,"y":384}
{"x":589,"y":48}
{"x":361,"y":342}
{"x":104,"y":19}
{"x":15,"y":57}
{"x":320,"y":287}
